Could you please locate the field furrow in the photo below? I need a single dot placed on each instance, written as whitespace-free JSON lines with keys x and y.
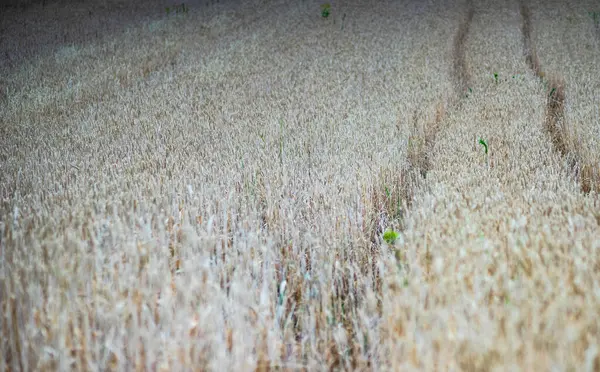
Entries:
{"x":567,"y":54}
{"x":461,"y":70}
{"x":422,"y":138}
{"x":496,"y":247}
{"x":554,"y":123}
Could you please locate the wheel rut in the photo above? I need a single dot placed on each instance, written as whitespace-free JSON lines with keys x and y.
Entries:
{"x":461,"y":71}
{"x":555,"y":124}
{"x":422,"y":139}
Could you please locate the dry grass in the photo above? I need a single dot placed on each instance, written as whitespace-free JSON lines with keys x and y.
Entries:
{"x":209,"y":191}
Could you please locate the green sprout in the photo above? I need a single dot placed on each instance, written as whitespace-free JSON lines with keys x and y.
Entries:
{"x":496,"y":77}
{"x":552,"y":92}
{"x":325,"y":10}
{"x":390,"y":236}
{"x":482,"y":142}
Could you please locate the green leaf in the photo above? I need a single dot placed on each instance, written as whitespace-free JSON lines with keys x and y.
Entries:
{"x":390,"y":236}
{"x":325,"y":10}
{"x":482,"y":142}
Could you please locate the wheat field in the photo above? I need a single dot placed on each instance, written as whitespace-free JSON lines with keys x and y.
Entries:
{"x":208,"y":187}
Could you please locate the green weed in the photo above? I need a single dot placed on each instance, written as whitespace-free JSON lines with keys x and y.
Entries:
{"x":484,"y":144}
{"x":390,"y":236}
{"x":325,"y":10}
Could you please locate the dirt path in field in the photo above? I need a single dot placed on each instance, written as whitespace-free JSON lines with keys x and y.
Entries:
{"x":461,"y":71}
{"x":554,"y":123}
{"x":422,"y":141}
{"x":556,"y":95}
{"x":491,"y":236}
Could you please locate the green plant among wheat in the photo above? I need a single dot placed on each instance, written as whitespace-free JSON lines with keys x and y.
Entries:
{"x":484,"y":144}
{"x":390,"y":236}
{"x":325,"y":10}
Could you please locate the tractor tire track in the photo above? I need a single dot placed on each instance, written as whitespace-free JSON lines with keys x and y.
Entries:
{"x":461,"y":72}
{"x":421,"y":141}
{"x":482,"y":216}
{"x":554,"y":122}
{"x":389,"y":200}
